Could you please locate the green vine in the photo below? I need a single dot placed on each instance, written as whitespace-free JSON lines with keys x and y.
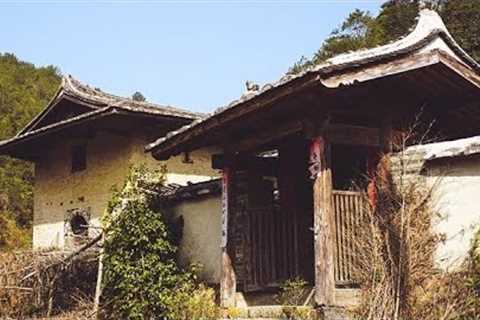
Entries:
{"x":141,"y":277}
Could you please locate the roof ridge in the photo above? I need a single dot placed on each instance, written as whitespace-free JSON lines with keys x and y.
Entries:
{"x":78,"y":89}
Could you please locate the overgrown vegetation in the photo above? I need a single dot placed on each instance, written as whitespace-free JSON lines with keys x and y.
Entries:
{"x":42,"y":284}
{"x":394,"y":260}
{"x":362,"y":30}
{"x":24,"y":91}
{"x":293,"y":292}
{"x":296,"y":297}
{"x":141,"y":277}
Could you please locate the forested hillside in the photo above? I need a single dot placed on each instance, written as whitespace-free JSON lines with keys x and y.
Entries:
{"x":396,"y":18}
{"x":24,"y":91}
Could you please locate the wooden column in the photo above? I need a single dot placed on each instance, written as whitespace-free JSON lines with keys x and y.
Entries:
{"x":386,"y":135}
{"x":228,"y":281}
{"x":324,"y":221}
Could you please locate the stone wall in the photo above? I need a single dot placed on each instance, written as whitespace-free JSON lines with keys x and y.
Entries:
{"x":59,"y":192}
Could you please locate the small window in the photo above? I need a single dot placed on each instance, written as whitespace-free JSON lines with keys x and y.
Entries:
{"x":79,"y":158}
{"x":79,"y":225}
{"x":187,"y":158}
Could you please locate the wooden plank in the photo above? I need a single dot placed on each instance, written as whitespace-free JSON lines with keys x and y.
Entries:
{"x":272,"y":243}
{"x":254,"y":247}
{"x":258,"y":139}
{"x":228,"y":281}
{"x":353,"y":135}
{"x":391,"y":67}
{"x":458,"y":67}
{"x":250,"y":248}
{"x":340,"y":240}
{"x":338,"y":237}
{"x":320,"y":169}
{"x":260,"y":248}
{"x":343,"y":235}
{"x":351,"y":227}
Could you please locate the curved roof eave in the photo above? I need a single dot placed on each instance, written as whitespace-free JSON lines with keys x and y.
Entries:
{"x":96,"y":99}
{"x":430,"y":34}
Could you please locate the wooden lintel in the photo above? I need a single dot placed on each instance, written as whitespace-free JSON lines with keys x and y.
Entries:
{"x":267,"y":165}
{"x":267,"y":136}
{"x":353,"y":135}
{"x":343,"y":133}
{"x":337,"y":133}
{"x":324,"y":221}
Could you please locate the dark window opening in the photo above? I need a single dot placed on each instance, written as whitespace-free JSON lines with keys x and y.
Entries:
{"x":349,"y":167}
{"x":187,"y":158}
{"x":79,"y":158}
{"x":79,"y":225}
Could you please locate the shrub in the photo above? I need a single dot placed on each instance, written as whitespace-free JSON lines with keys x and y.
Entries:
{"x":452,"y":295}
{"x":394,"y":257}
{"x":193,"y":302}
{"x":293,"y":292}
{"x":43,"y":283}
{"x":141,"y":277}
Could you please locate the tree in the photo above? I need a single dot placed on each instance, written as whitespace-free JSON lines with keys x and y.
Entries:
{"x":461,"y":18}
{"x":396,"y":18}
{"x":353,"y":34}
{"x":138,"y":96}
{"x":24,"y":91}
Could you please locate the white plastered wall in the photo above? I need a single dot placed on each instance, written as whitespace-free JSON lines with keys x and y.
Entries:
{"x":458,"y":200}
{"x":201,"y":238}
{"x":109,"y":158}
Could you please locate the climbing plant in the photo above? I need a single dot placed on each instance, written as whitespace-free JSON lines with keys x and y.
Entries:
{"x":141,"y":277}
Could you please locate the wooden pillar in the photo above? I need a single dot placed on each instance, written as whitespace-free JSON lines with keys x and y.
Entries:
{"x":228,"y":281}
{"x":386,"y":135}
{"x":324,"y":221}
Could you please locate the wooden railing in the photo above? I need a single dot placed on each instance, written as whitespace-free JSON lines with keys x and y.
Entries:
{"x":348,"y":207}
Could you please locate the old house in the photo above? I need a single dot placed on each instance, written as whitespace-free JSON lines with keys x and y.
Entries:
{"x":82,"y":144}
{"x":287,"y":152}
{"x":290,"y":150}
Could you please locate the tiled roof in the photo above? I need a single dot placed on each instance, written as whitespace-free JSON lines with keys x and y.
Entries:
{"x":429,"y":34}
{"x":57,"y":125}
{"x":447,"y":149}
{"x":173,"y":193}
{"x":97,"y":99}
{"x":95,"y":96}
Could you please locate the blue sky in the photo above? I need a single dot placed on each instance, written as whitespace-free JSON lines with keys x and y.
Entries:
{"x":193,"y":54}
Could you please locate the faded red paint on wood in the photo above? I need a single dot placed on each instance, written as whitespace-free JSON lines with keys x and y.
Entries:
{"x":372,"y":163}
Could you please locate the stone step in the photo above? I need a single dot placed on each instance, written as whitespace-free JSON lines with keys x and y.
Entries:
{"x":268,"y":312}
{"x":285,"y":313}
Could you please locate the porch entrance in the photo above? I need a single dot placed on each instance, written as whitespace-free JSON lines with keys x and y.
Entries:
{"x":273,"y":235}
